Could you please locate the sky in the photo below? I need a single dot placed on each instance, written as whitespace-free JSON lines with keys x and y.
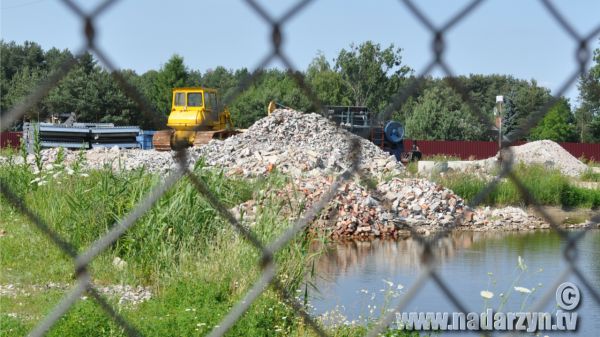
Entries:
{"x":513,"y":37}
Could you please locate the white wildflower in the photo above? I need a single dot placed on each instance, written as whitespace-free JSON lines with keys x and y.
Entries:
{"x":119,"y":263}
{"x":487,"y":294}
{"x":400,"y":287}
{"x":523,"y":290}
{"x":84,"y":175}
{"x":389,"y":283}
{"x":70,"y":171}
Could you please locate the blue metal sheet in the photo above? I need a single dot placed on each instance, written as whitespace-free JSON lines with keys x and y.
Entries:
{"x":120,"y":145}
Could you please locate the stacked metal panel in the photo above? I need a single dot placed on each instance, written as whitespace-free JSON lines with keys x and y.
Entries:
{"x":81,"y":135}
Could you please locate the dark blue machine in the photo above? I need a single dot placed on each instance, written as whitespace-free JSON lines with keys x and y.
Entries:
{"x":394,"y":136}
{"x":389,"y":136}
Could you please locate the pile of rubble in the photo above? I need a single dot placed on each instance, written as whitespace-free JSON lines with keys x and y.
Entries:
{"x":290,"y":141}
{"x":311,"y":150}
{"x":396,"y":208}
{"x":392,"y":209}
{"x":507,"y":218}
{"x":297,"y":144}
{"x":549,"y":154}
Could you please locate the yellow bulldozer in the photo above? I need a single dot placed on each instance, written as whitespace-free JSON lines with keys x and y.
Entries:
{"x":196,"y":117}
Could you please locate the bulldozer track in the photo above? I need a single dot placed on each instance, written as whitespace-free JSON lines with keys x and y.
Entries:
{"x":162,"y":139}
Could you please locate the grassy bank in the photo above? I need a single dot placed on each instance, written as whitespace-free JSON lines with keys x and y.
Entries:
{"x":546,"y":186}
{"x":590,"y":175}
{"x":195,"y":264}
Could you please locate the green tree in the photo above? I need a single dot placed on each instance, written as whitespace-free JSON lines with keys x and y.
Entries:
{"x":530,"y":99}
{"x":14,"y":59}
{"x":79,"y":92}
{"x":21,"y":85}
{"x":440,"y":114}
{"x":117,"y":107}
{"x":172,"y":75}
{"x":367,"y":71}
{"x":272,"y":84}
{"x":55,"y":58}
{"x":220,"y":78}
{"x":326,"y":83}
{"x":557,"y":125}
{"x":510,"y":114}
{"x":588,"y":114}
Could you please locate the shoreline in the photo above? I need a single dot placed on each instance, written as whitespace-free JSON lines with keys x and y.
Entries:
{"x":425,"y":231}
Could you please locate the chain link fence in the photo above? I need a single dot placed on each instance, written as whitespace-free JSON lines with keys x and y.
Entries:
{"x":267,"y":263}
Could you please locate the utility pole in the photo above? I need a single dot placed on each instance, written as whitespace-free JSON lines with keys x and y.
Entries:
{"x":498,"y":112}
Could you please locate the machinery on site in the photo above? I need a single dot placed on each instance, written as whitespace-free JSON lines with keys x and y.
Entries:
{"x":196,"y":117}
{"x":63,"y":130}
{"x":388,"y":135}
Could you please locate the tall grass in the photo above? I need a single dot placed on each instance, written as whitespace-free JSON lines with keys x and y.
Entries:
{"x":196,"y":264}
{"x":546,"y":186}
{"x":590,"y":175}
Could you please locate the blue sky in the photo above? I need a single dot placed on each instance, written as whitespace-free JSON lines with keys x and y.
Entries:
{"x":516,"y":37}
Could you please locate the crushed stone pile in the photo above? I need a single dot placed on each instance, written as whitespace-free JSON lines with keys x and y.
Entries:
{"x":311,"y":150}
{"x":295,"y":143}
{"x":550,"y":154}
{"x":508,"y":218}
{"x":396,"y":208}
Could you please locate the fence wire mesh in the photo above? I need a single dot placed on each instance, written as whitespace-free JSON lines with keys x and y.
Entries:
{"x":82,"y":261}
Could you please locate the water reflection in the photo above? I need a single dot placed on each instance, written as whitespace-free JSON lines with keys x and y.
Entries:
{"x":396,"y":256}
{"x":467,"y":261}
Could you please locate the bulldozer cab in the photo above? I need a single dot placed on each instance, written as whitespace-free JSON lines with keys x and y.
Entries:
{"x":194,"y":107}
{"x":185,"y":99}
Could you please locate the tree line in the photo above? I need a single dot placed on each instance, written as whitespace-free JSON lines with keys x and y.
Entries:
{"x":363,"y":75}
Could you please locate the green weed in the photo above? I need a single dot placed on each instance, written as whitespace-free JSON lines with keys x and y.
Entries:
{"x":196,"y":263}
{"x":590,"y":175}
{"x":546,"y":186}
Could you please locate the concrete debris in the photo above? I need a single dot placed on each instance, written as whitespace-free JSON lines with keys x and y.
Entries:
{"x":541,"y":152}
{"x":297,"y":144}
{"x":549,"y":154}
{"x":107,"y":158}
{"x":396,"y":208}
{"x":125,"y":294}
{"x":289,"y":141}
{"x":312,"y":150}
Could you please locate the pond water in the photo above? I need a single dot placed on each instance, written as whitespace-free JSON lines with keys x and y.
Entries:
{"x":359,"y":279}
